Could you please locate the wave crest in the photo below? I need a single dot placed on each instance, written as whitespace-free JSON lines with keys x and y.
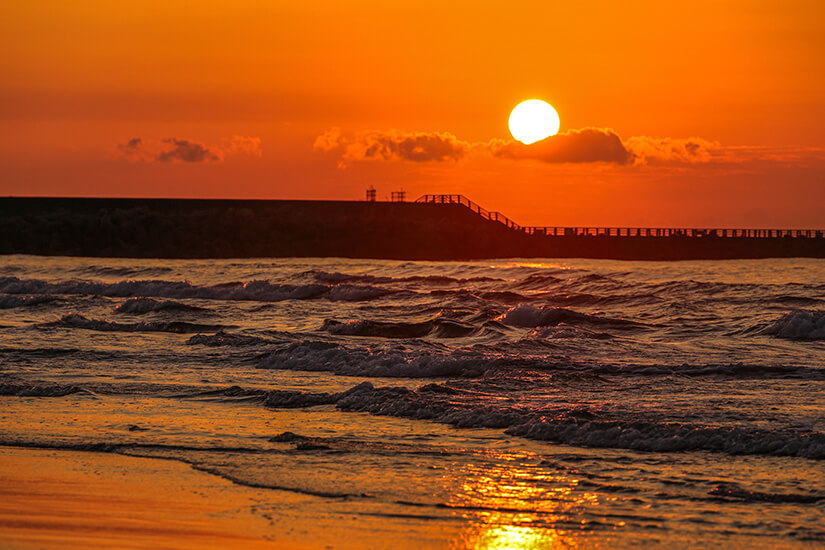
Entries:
{"x":75,"y":320}
{"x":798,"y":325}
{"x":256,"y":290}
{"x":530,"y":316}
{"x":440,"y":328}
{"x":139,"y":306}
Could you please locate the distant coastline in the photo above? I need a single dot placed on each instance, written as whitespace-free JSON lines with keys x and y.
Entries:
{"x":194,"y":228}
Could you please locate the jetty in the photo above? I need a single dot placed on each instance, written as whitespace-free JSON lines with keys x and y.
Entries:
{"x":433,"y":227}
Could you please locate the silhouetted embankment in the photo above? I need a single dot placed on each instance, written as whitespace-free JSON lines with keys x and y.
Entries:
{"x":170,"y":228}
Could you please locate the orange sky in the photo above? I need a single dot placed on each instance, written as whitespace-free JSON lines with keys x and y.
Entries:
{"x":718,"y":107}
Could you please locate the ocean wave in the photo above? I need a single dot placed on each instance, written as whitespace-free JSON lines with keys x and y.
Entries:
{"x":436,"y":280}
{"x":257,"y":290}
{"x":75,"y":320}
{"x":735,"y":492}
{"x":38,"y":389}
{"x":355,"y":293}
{"x":470,"y":296}
{"x":232,"y":394}
{"x":139,"y":306}
{"x":390,"y":363}
{"x":439,"y":328}
{"x":31,"y":389}
{"x":672,"y":437}
{"x":109,"y":271}
{"x":565,"y":332}
{"x":575,"y":426}
{"x":538,"y":281}
{"x":39,"y":353}
{"x":478,"y":361}
{"x":530,"y":316}
{"x":11,"y":301}
{"x":798,"y":325}
{"x":222,"y":338}
{"x":284,"y":399}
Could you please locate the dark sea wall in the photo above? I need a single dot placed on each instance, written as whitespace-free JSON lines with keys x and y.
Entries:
{"x":170,"y":228}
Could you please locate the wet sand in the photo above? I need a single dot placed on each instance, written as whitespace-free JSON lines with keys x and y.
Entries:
{"x":68,"y":499}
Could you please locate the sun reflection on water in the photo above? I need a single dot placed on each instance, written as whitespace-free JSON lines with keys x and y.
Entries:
{"x":508,"y":537}
{"x":520,"y":507}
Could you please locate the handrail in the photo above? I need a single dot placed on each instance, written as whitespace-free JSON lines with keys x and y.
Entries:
{"x":559,"y":231}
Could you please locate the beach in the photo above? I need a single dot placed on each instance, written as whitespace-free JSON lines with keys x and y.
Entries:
{"x":333,"y":403}
{"x":71,"y":499}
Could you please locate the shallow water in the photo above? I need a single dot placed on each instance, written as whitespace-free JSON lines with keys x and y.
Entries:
{"x":529,"y":402}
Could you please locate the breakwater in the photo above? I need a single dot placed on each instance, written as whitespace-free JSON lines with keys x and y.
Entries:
{"x":433,"y":228}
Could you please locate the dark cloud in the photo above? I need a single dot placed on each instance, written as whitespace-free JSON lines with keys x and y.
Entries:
{"x":415,"y":147}
{"x":184,"y":150}
{"x":585,"y":145}
{"x":393,"y":145}
{"x":132,"y":150}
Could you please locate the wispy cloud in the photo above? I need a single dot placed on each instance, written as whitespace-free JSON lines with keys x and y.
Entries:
{"x":169,"y":150}
{"x":652,"y":150}
{"x":394,"y":145}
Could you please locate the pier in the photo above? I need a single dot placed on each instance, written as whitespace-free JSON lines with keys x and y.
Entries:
{"x":554,"y":231}
{"x":434,"y":227}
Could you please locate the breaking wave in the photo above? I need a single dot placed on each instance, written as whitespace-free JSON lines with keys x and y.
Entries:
{"x":798,"y":325}
{"x":530,"y":316}
{"x":576,"y":426}
{"x":391,"y":363}
{"x":399,"y":362}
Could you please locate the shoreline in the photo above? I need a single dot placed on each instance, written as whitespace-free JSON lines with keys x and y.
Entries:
{"x":77,"y":499}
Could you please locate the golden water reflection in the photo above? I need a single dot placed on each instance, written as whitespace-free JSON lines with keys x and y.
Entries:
{"x":520,"y":507}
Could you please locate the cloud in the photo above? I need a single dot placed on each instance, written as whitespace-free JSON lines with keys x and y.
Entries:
{"x":237,"y":145}
{"x":651,"y":150}
{"x":585,"y":145}
{"x":185,"y":150}
{"x":133,"y":150}
{"x":393,"y":145}
{"x":415,"y":147}
{"x":329,"y":140}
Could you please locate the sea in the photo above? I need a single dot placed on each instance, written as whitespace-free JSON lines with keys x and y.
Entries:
{"x":475,"y":404}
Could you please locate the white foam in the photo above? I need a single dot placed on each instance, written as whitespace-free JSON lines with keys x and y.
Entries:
{"x":799,"y":325}
{"x":531,"y":316}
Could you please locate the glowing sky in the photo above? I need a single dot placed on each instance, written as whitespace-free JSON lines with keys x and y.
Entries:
{"x":711,"y":114}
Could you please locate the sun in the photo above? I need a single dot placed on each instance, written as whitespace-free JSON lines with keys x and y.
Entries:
{"x":533,"y":120}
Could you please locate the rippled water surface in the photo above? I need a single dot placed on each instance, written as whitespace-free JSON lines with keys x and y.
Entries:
{"x":520,"y":403}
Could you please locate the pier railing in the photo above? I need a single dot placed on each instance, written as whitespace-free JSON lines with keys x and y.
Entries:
{"x":556,"y":231}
